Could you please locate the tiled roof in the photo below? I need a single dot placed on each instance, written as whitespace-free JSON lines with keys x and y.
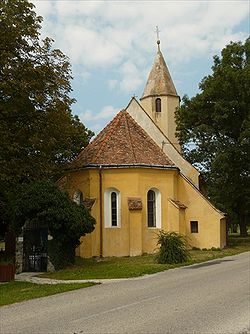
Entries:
{"x":159,"y":79}
{"x":177,"y":203}
{"x":122,"y":142}
{"x":89,"y":202}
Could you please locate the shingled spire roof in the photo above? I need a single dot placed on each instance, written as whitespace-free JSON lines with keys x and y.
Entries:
{"x":122,"y":142}
{"x":159,"y":80}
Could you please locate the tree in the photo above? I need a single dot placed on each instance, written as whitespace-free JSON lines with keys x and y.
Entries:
{"x":45,"y":204}
{"x":217,"y":124}
{"x":39,"y":134}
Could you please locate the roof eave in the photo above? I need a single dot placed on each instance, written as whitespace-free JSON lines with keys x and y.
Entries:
{"x":120,"y":166}
{"x":156,"y":95}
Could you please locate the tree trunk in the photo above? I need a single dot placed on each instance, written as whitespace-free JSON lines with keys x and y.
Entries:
{"x":10,"y":243}
{"x":234,"y":228}
{"x":242,"y":219}
{"x":243,"y":228}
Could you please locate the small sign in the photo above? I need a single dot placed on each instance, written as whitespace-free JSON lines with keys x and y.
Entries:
{"x":134,"y":203}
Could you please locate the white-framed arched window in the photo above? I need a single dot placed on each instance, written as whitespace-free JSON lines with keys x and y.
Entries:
{"x":78,"y":197}
{"x":112,"y":208}
{"x":154,"y":208}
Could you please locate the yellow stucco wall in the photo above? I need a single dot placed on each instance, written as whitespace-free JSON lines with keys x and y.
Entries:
{"x":145,"y":120}
{"x":211,"y":223}
{"x":166,"y":118}
{"x":173,"y":218}
{"x":133,"y":237}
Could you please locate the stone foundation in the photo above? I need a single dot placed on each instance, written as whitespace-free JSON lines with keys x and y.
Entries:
{"x":19,"y":255}
{"x":50,"y":266}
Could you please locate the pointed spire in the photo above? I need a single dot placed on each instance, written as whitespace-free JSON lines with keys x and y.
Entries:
{"x":159,"y":79}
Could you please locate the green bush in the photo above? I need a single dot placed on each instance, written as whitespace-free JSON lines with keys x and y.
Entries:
{"x":61,"y":255}
{"x":6,"y":258}
{"x":216,"y":249}
{"x":196,"y":248}
{"x":173,"y":248}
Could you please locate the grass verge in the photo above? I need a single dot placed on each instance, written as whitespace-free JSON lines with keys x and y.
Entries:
{"x":14,"y":292}
{"x":126,"y":267}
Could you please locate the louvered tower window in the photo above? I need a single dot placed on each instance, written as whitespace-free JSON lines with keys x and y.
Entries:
{"x":158,"y":105}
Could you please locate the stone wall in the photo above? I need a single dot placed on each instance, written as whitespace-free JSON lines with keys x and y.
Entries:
{"x":50,"y":266}
{"x":19,"y":255}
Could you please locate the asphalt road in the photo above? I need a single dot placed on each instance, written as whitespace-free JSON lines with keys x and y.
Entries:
{"x":212,"y":297}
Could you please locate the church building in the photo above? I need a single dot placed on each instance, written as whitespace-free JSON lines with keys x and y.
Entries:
{"x":135,"y":182}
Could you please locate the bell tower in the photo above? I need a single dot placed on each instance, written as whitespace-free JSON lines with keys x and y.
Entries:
{"x":160,"y":98}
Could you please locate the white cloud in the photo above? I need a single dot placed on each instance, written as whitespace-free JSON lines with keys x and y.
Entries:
{"x":96,"y":120}
{"x":132,"y":77}
{"x":107,"y":112}
{"x":112,"y":83}
{"x":86,"y":47}
{"x":43,"y":8}
{"x":97,"y":127}
{"x":85,"y":75}
{"x":72,"y":8}
{"x":121,"y":34}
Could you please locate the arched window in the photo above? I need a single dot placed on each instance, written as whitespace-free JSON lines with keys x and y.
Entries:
{"x":112,"y":208}
{"x":158,"y":105}
{"x":114,"y":218}
{"x":78,"y":197}
{"x":151,"y":209}
{"x":154,"y":208}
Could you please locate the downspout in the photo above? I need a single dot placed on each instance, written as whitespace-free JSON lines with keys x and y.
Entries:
{"x":101,"y":207}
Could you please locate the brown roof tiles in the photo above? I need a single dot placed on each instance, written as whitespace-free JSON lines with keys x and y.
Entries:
{"x":122,"y":142}
{"x":177,"y":203}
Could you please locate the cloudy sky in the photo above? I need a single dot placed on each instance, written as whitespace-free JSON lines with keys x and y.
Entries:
{"x":112,"y":44}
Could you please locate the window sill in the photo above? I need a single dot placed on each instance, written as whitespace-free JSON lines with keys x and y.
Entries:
{"x":154,"y":228}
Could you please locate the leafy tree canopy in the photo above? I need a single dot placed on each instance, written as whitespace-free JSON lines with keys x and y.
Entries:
{"x":214,"y":130}
{"x":38,"y":132}
{"x":43,"y":203}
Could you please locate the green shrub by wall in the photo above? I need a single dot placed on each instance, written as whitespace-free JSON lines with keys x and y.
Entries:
{"x":173,"y":248}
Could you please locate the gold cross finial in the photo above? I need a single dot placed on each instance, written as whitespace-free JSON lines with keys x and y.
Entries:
{"x":158,"y":37}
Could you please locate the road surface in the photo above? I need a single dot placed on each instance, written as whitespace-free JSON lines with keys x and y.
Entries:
{"x":212,"y":297}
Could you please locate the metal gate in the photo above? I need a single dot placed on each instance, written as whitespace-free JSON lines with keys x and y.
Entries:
{"x":35,"y":242}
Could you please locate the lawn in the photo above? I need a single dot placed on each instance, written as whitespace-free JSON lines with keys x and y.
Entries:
{"x":124,"y":267}
{"x":140,"y":265}
{"x":14,"y":292}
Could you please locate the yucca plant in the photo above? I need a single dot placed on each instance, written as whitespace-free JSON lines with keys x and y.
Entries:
{"x":173,"y":248}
